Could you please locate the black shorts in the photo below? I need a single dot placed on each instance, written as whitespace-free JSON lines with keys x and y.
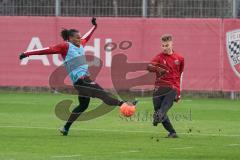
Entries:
{"x":86,"y":87}
{"x":163,"y":98}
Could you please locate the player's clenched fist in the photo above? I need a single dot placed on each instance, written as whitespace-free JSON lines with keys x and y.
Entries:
{"x":94,"y":21}
{"x":21,"y":56}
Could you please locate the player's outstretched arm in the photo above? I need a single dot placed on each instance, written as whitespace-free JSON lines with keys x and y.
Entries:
{"x":57,"y":49}
{"x":87,"y":36}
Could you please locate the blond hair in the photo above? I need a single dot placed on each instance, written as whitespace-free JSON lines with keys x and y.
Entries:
{"x":166,"y":37}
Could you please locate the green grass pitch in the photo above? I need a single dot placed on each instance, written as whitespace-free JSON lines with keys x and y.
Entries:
{"x":209,"y":129}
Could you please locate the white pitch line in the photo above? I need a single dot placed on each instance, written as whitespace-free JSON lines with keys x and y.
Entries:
{"x":26,"y":127}
{"x":67,"y":156}
{"x":70,"y":156}
{"x":186,"y":100}
{"x":139,"y":131}
{"x":182,"y":148}
{"x":211,"y":134}
{"x":133,"y":151}
{"x":231,"y":145}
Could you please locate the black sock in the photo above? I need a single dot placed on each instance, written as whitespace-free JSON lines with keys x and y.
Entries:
{"x":67,"y":126}
{"x":71,"y":119}
{"x":83,"y":105}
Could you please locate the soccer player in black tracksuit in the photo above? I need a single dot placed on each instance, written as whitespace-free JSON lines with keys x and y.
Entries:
{"x":168,"y":66}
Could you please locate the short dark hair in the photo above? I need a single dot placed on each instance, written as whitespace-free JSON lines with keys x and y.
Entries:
{"x":166,"y":37}
{"x":65,"y":33}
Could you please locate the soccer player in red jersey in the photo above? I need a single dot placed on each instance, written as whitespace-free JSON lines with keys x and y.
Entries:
{"x":168,"y":66}
{"x":72,"y":52}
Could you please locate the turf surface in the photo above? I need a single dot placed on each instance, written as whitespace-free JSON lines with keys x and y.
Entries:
{"x":208,"y":129}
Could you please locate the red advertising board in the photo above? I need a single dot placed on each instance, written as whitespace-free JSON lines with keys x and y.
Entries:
{"x":204,"y":43}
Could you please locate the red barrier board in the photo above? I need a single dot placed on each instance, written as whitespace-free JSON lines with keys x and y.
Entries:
{"x":209,"y":46}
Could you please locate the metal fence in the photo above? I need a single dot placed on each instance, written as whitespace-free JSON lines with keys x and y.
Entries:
{"x":191,"y":8}
{"x":122,"y":8}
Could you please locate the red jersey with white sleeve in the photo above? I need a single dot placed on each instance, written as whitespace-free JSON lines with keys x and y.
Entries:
{"x":61,"y":48}
{"x":174,"y":64}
